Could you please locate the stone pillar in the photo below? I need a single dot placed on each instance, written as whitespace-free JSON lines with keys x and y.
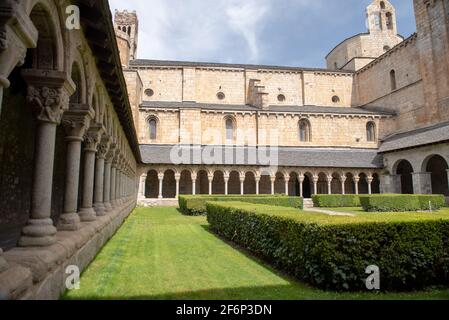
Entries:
{"x":48,"y":96}
{"x":113,"y":182}
{"x":177,"y":179}
{"x":160,"y":176}
{"x":257,"y":178}
{"x":226,"y":181}
{"x":390,"y":183}
{"x":211,"y":179}
{"x":315,"y":184}
{"x":329,"y":184}
{"x":369,"y":180}
{"x":272,"y":180}
{"x":103,"y":148}
{"x":301,"y":186}
{"x":286,"y":180}
{"x":356,"y":183}
{"x":242,"y":185}
{"x":194,"y":177}
{"x":91,"y":141}
{"x":107,"y":182}
{"x":343,"y":180}
{"x":142,"y":182}
{"x":422,"y":182}
{"x":75,"y":123}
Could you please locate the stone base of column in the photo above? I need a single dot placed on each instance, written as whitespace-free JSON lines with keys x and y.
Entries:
{"x":69,"y":222}
{"x":87,"y":214}
{"x":100,"y":209}
{"x":38,"y":233}
{"x":108,"y":206}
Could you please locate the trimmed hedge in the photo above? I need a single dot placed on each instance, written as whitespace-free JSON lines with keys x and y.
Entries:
{"x":334,"y":253}
{"x":401,"y":203}
{"x":196,"y":205}
{"x":336,"y":200}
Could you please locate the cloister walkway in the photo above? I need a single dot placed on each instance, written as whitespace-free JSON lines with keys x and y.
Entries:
{"x":160,"y":254}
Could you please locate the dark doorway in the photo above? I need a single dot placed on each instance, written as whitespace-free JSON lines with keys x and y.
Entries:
{"x":405,"y":170}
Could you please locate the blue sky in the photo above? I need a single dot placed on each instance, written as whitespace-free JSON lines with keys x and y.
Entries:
{"x":275,"y":32}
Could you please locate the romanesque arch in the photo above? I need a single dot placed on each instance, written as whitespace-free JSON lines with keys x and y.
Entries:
{"x":437,"y":166}
{"x":404,"y":169}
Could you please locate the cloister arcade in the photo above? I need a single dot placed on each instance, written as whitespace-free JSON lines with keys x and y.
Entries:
{"x":169,"y":182}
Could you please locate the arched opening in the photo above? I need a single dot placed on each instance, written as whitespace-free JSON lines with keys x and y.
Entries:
{"x":304,"y":131}
{"x":382,"y":5}
{"x":349,"y":184}
{"x":152,"y":125}
{"x":234,"y":183}
{"x":389,"y":21}
{"x":185,"y":183}
{"x":218,"y":184}
{"x":322,"y":183}
{"x":438,"y":167}
{"x":293,"y":185}
{"x":393,"y":80}
{"x":363,"y":184}
{"x":279,"y":184}
{"x":335,"y":184}
{"x":169,"y":185}
{"x":370,"y":131}
{"x":76,"y":78}
{"x":307,"y":186}
{"x":202,"y":182}
{"x":405,"y":170}
{"x":265,"y":184}
{"x":375,"y":184}
{"x":152,"y":185}
{"x":230,"y":129}
{"x":250,"y":183}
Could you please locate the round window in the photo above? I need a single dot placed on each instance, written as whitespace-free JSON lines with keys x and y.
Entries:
{"x":221,"y":96}
{"x":281,"y":98}
{"x":335,"y":99}
{"x":149,"y":92}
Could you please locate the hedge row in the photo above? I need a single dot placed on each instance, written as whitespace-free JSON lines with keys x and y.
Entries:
{"x":336,"y":200}
{"x":400,"y":203}
{"x":196,"y":205}
{"x":411,"y":254}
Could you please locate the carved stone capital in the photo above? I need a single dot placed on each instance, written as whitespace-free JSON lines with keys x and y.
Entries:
{"x":92,"y":138}
{"x":48,"y":94}
{"x":103,"y":147}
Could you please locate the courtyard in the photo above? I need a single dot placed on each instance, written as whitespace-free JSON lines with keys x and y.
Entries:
{"x":158,"y":253}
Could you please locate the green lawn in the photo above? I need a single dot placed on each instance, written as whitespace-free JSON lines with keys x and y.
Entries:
{"x":160,"y":254}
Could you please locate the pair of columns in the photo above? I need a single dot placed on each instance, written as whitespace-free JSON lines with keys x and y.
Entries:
{"x":48,"y":96}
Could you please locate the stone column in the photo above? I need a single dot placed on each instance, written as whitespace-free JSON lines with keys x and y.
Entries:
{"x":315,"y":184}
{"x":177,"y":179}
{"x":194,"y":177}
{"x":369,"y":180}
{"x":390,"y":183}
{"x":286,"y":180}
{"x":142,"y":182}
{"x":242,"y":185}
{"x":301,"y":187}
{"x":329,"y":184}
{"x":447,"y":177}
{"x":422,"y":182}
{"x":91,"y":141}
{"x":107,"y":181}
{"x":257,"y":178}
{"x":103,"y":148}
{"x":356,"y":183}
{"x":211,"y":179}
{"x":343,"y":180}
{"x":272,"y":180}
{"x":160,"y":176}
{"x":113,"y":182}
{"x":75,"y":123}
{"x":226,"y":181}
{"x":48,"y":96}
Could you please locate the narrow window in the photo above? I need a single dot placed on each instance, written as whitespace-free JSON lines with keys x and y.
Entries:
{"x":229,"y":130}
{"x":382,"y":5}
{"x":153,"y":129}
{"x":393,"y":80}
{"x":370,"y":132}
{"x":389,"y":21}
{"x":304,"y":131}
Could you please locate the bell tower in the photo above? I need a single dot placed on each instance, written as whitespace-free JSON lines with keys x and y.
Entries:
{"x":127,"y":31}
{"x":381,"y":17}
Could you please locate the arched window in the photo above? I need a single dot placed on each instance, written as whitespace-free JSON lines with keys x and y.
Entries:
{"x":304,"y":131}
{"x":371,"y":131}
{"x":393,"y":80}
{"x":389,"y":22}
{"x":129,"y":30}
{"x":76,"y":78}
{"x":229,"y":125}
{"x":382,"y":5}
{"x":152,"y":122}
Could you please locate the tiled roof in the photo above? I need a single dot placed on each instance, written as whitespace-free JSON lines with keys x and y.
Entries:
{"x":419,"y":137}
{"x":286,"y":156}
{"x":272,"y":108}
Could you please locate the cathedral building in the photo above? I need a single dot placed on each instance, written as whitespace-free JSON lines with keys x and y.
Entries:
{"x":374,"y":121}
